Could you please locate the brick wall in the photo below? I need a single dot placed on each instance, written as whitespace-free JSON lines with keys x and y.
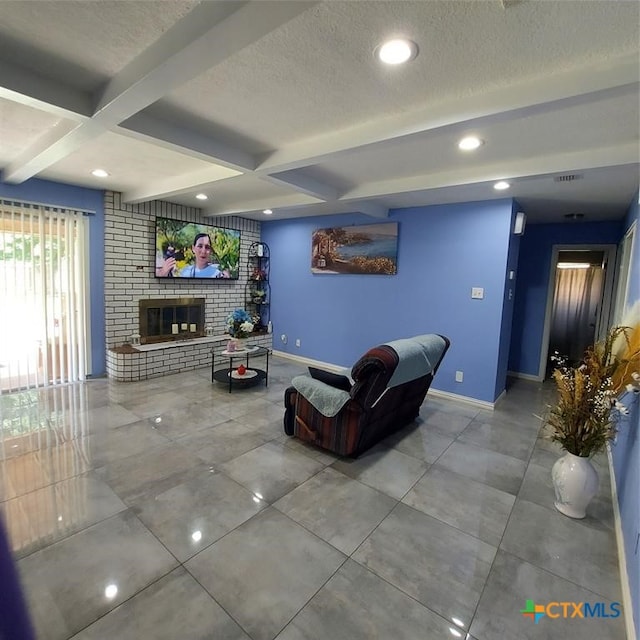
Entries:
{"x":129,"y":267}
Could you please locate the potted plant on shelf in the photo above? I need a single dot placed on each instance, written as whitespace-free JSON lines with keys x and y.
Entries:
{"x":258,"y":296}
{"x":239,"y":326}
{"x":584,"y":418}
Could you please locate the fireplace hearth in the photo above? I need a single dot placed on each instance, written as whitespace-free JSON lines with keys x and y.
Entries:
{"x":166,"y":319}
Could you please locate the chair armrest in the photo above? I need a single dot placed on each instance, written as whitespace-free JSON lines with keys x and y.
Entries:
{"x":337,"y":380}
{"x":326,"y":399}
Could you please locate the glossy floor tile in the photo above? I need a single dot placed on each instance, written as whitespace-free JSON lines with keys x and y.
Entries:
{"x":441,"y":567}
{"x":171,"y":508}
{"x":356,"y":604}
{"x":265,"y":571}
{"x":513,"y":581}
{"x":467,"y":505}
{"x":498,"y":470}
{"x":336,"y":508}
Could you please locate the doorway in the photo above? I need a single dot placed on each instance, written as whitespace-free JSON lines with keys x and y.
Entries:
{"x":580,"y":289}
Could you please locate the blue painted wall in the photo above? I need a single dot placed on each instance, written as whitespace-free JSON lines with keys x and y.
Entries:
{"x":443,"y":251}
{"x":63,"y":195}
{"x":534,"y":267}
{"x":626,"y":450}
{"x":508,"y":304}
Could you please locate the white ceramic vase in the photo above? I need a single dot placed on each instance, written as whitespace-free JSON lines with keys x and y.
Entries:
{"x":575,"y":482}
{"x":241,"y":344}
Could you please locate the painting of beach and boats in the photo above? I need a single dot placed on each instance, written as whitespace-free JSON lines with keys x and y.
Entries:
{"x":363,"y":249}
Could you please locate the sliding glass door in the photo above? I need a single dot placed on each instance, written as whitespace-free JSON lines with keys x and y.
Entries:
{"x":43,"y":315}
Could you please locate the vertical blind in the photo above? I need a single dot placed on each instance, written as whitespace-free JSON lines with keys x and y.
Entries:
{"x":43,"y":318}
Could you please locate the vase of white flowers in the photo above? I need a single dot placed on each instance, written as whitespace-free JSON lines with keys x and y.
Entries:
{"x":239,"y":326}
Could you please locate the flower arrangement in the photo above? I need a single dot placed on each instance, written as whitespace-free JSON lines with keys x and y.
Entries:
{"x":239,"y":324}
{"x":258,"y":274}
{"x":584,"y":418}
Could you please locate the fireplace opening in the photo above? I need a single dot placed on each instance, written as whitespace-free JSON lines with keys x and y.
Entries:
{"x":163,"y":320}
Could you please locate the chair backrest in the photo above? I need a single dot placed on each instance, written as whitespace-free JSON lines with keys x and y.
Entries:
{"x":374,"y":372}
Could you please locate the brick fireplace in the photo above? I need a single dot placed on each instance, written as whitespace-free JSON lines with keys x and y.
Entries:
{"x":129,"y":278}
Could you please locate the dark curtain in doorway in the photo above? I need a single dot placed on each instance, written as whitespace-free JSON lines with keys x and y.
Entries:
{"x":577,"y":296}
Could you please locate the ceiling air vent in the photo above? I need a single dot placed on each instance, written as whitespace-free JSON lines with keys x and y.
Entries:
{"x":569,"y":177}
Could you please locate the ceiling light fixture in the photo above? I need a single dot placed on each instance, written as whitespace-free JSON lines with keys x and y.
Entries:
{"x":469,"y":143}
{"x":267,"y":212}
{"x":202,"y":196}
{"x":573,"y":265}
{"x":99,"y":173}
{"x":111,"y":591}
{"x":397,"y":51}
{"x":501,"y":186}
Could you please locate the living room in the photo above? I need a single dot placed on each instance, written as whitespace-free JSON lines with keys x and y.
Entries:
{"x":455,"y":234}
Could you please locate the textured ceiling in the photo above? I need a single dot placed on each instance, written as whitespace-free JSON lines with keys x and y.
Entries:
{"x":282,"y":104}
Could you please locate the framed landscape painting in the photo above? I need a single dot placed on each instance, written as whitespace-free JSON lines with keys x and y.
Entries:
{"x":363,"y":249}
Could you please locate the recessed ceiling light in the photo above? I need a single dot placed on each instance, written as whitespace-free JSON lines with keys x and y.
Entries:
{"x":202,"y":196}
{"x":469,"y":143}
{"x":111,"y":591}
{"x":501,"y":186}
{"x":267,"y":212}
{"x":99,"y":173}
{"x":397,"y":51}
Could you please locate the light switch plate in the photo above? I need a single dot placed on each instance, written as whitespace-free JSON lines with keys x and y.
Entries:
{"x":477,"y":293}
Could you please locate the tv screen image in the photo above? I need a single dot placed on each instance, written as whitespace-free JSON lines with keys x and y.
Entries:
{"x":195,"y":250}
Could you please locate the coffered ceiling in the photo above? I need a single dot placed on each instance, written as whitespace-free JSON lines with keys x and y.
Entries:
{"x":282,"y":104}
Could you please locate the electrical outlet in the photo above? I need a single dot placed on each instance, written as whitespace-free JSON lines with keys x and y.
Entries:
{"x":477,"y":293}
{"x":297,"y":342}
{"x":459,"y":376}
{"x":283,"y":337}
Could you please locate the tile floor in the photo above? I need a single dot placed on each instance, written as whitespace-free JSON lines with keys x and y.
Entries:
{"x":171,"y":509}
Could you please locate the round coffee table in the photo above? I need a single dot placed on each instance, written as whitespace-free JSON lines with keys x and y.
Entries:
{"x":224,"y":367}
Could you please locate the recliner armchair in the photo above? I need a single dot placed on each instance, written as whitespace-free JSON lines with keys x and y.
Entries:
{"x":389,"y":385}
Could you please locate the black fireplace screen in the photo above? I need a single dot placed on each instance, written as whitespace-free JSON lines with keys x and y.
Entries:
{"x":170,"y":319}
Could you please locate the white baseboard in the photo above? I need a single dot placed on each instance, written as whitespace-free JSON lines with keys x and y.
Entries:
{"x":622,"y":556}
{"x":524,"y":376}
{"x":309,"y":362}
{"x":458,"y":398}
{"x":502,"y":395}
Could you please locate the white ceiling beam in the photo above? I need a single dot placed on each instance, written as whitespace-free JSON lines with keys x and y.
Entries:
{"x":302,"y":183}
{"x":372,"y":209}
{"x":529,"y":96}
{"x":29,"y":88}
{"x":206,"y":36}
{"x":186,"y":141}
{"x":268,"y":202}
{"x":512,"y":170}
{"x":177,"y":185}
{"x":58,"y":142}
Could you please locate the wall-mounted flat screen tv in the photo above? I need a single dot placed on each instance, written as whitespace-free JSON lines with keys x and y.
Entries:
{"x":195,"y":250}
